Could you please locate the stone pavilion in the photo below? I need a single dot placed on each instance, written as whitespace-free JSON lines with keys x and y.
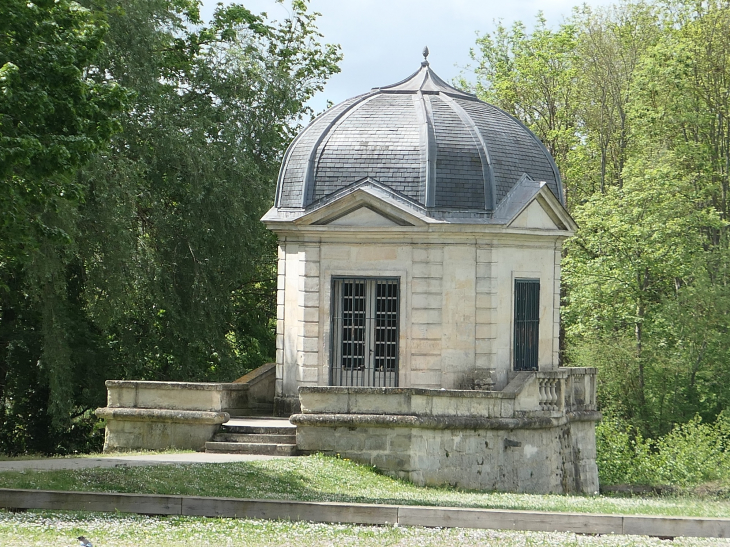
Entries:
{"x":420,"y":233}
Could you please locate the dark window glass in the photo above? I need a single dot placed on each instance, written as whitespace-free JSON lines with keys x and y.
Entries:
{"x":364,"y":332}
{"x":527,"y":323}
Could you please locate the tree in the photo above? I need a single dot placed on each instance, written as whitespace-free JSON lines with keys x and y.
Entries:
{"x":653,"y":285}
{"x":55,"y":112}
{"x":638,"y":246}
{"x":191,"y":295}
{"x":609,"y":48}
{"x":532,"y":76}
{"x":632,"y":101}
{"x":166,"y":271}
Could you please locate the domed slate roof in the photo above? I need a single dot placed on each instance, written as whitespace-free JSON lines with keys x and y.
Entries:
{"x":440,"y":147}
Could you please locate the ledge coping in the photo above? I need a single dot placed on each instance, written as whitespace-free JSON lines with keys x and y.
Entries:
{"x":256,"y":374}
{"x":199,"y":386}
{"x":162,"y":415}
{"x":463,"y":393}
{"x":441,"y":422}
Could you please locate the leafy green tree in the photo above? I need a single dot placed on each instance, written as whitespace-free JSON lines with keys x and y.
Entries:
{"x":694,"y":375}
{"x":56,"y":110}
{"x":637,"y":246}
{"x":610,"y":45}
{"x":163,"y":269}
{"x":679,"y":110}
{"x":190,"y":294}
{"x":658,"y":280}
{"x":682,"y":100}
{"x":533,"y":77}
{"x":632,"y":101}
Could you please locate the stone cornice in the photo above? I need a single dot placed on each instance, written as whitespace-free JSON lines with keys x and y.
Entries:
{"x":443,"y":422}
{"x":162,"y":415}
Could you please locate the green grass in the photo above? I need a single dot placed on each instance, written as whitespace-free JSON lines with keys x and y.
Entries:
{"x":45,"y":528}
{"x":320,"y":478}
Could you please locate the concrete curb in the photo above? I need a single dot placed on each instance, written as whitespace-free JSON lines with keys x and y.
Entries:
{"x":362,"y":513}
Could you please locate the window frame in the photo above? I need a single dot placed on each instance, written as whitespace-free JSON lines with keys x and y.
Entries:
{"x":363,"y":317}
{"x":525,"y":325}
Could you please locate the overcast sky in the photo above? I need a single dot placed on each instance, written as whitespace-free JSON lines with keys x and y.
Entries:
{"x":382,"y":40}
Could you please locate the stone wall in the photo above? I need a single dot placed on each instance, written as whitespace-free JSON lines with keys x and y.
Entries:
{"x":202,"y":396}
{"x":159,"y":415}
{"x":158,"y":429}
{"x":261,"y":384}
{"x":456,"y":302}
{"x":537,"y":435}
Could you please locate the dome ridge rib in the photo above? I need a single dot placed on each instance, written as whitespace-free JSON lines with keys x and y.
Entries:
{"x":428,"y":146}
{"x":487,"y":172}
{"x":308,"y":186}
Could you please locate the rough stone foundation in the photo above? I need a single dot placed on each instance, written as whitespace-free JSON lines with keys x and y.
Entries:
{"x":144,"y":415}
{"x":158,"y":429}
{"x":536,"y":436}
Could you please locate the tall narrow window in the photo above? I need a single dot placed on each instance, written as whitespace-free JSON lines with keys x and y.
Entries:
{"x":527,"y":323}
{"x":364,"y":332}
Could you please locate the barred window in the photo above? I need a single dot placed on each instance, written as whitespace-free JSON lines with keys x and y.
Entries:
{"x":365,"y":332}
{"x":527,"y":323}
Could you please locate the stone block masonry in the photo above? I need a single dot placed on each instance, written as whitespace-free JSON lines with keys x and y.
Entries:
{"x":535,"y":436}
{"x":143,"y":415}
{"x":159,"y":415}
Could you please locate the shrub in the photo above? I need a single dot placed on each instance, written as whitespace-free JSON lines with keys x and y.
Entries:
{"x":692,"y":453}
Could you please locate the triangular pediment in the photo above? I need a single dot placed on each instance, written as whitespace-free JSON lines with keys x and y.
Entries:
{"x":367,"y":205}
{"x":531,"y":205}
{"x":535,"y":216}
{"x":362,"y":216}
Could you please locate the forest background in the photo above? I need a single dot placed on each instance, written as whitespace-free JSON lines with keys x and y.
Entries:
{"x":139,"y":147}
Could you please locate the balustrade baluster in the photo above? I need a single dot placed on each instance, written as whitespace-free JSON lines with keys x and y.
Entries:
{"x":553,"y":395}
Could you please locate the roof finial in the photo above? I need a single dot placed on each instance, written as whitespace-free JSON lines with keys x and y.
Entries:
{"x":425,"y":56}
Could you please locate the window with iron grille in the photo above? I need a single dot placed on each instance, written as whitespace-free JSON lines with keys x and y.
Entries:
{"x":365,"y":332}
{"x":527,"y":323}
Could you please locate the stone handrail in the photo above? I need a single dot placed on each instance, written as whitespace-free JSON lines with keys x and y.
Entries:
{"x":202,"y":396}
{"x":528,"y":394}
{"x":567,"y":389}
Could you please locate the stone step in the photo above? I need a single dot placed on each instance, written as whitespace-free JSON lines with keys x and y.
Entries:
{"x":259,"y":429}
{"x":268,"y":449}
{"x":255,"y":438}
{"x":248,"y":412}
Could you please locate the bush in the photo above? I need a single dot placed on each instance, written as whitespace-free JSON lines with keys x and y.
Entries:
{"x":692,"y":453}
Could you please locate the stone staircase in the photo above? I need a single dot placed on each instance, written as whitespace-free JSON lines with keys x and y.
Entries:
{"x":259,"y":399}
{"x":255,"y":435}
{"x":254,"y":409}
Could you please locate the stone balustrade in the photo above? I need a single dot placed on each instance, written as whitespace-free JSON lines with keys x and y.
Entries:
{"x":536,"y":435}
{"x":529,"y":394}
{"x":567,"y":389}
{"x":158,"y":415}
